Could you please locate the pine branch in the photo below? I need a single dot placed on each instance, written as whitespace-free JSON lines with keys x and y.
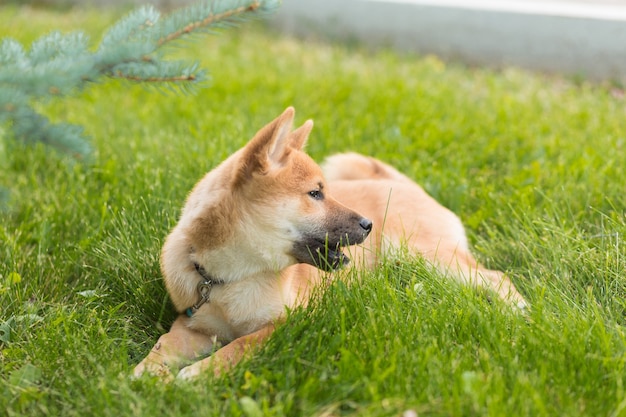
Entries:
{"x":59,"y":64}
{"x":185,"y":21}
{"x":12,"y":53}
{"x":158,"y":71}
{"x":35,"y":128}
{"x":129,"y":26}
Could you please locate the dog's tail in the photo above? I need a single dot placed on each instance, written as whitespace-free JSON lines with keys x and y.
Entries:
{"x":353,"y":166}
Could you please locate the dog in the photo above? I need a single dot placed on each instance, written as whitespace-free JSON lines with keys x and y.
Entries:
{"x":258,"y":232}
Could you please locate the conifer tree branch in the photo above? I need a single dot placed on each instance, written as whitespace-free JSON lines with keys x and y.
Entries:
{"x":211,"y":19}
{"x":173,"y":79}
{"x":58,"y":64}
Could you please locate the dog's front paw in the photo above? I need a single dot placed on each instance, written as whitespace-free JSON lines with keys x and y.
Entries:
{"x":523,"y":306}
{"x":158,"y":369}
{"x":206,"y":366}
{"x":190,"y":372}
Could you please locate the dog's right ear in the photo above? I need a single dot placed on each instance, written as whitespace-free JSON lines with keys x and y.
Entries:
{"x":268,"y":148}
{"x":301,"y":135}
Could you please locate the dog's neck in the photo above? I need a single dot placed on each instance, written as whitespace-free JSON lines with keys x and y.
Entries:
{"x":205,"y":275}
{"x":230,"y":266}
{"x":204,"y":288}
{"x":254,"y":248}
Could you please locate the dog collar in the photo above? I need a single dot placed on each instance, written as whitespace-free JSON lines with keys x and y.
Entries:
{"x":204,"y":289}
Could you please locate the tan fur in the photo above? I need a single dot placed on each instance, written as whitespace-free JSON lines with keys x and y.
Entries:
{"x":261,"y":219}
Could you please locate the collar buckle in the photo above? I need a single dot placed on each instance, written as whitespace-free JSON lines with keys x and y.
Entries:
{"x":204,"y":289}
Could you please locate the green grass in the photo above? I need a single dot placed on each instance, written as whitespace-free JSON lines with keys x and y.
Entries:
{"x":534,"y":165}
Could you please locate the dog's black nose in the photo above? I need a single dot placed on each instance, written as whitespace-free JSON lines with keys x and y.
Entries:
{"x":366,"y":224}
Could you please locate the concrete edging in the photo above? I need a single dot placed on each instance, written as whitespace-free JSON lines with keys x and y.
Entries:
{"x":574,"y":37}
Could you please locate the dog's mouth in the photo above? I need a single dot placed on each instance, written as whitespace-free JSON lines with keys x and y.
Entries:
{"x":321,"y":254}
{"x":329,"y":257}
{"x":323,"y":250}
{"x":325,"y":254}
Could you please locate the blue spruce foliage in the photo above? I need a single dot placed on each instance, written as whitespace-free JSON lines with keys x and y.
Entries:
{"x":59,"y":64}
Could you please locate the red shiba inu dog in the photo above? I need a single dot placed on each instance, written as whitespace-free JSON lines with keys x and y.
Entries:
{"x":257,"y":231}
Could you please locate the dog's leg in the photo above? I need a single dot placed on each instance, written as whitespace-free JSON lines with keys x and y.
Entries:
{"x":500,"y":283}
{"x":174,"y":349}
{"x":228,"y":356}
{"x":462,"y":265}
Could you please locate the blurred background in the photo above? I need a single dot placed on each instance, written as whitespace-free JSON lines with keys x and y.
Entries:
{"x":580,"y":38}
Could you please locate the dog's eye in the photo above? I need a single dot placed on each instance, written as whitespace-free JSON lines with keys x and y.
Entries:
{"x":316,"y":194}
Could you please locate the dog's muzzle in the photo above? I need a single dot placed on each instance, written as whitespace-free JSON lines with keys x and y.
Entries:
{"x":324,"y":252}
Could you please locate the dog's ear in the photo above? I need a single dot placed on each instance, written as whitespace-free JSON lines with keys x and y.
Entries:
{"x":280,"y":141}
{"x":267,"y":149}
{"x":301,"y":135}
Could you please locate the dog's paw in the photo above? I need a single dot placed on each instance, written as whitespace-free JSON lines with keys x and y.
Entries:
{"x":160,"y":370}
{"x":189,"y":372}
{"x":205,"y":366}
{"x":523,"y":306}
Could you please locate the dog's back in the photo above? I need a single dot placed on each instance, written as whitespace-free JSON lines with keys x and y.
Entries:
{"x":354,"y":166}
{"x":411,"y":217}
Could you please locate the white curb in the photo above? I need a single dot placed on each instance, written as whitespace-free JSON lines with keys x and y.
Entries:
{"x":575,"y":37}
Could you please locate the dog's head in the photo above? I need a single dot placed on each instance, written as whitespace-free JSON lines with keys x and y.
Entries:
{"x":287,"y":192}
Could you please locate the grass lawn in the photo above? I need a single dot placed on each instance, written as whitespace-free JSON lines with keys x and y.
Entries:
{"x":534,"y":165}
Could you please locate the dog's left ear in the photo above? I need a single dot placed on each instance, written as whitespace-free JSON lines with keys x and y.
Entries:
{"x":279,"y":143}
{"x":267,"y":149}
